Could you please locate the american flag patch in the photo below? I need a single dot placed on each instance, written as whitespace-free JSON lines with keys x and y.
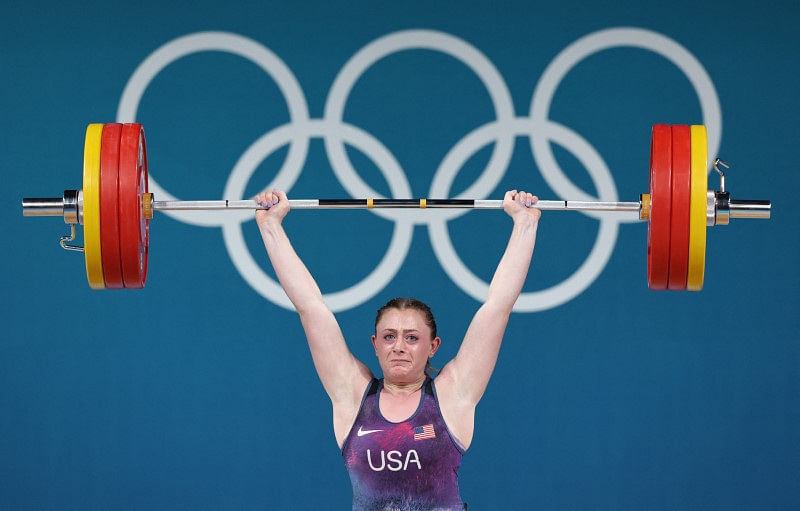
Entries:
{"x":423,"y":432}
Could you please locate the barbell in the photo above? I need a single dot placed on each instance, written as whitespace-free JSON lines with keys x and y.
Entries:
{"x":115,"y":206}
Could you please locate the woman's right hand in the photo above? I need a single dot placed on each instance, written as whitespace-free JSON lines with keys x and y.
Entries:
{"x":521,"y":205}
{"x":277,"y":205}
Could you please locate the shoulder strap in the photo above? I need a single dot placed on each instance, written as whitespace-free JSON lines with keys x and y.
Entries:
{"x":373,"y":387}
{"x":427,"y":387}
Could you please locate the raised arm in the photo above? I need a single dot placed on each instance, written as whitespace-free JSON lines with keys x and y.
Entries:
{"x":342,"y":375}
{"x":467,"y":375}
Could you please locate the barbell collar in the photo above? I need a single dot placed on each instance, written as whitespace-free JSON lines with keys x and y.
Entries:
{"x":73,"y":206}
{"x":723,"y":201}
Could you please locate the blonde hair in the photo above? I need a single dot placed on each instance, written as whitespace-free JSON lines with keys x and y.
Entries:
{"x":427,"y":315}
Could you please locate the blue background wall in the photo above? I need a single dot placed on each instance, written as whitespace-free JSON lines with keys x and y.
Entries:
{"x":199,"y":393}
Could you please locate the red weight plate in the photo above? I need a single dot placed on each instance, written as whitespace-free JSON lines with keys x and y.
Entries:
{"x":658,"y":228}
{"x":109,"y":213}
{"x":144,"y":225}
{"x":681,"y":205}
{"x":134,"y":227}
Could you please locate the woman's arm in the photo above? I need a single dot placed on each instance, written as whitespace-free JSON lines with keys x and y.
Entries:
{"x":467,"y":375}
{"x":343,"y":376}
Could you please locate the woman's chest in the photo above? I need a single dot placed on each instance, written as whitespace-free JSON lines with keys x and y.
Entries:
{"x":398,"y":408}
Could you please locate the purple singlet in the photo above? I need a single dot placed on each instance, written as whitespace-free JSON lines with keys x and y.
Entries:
{"x":402,"y":466}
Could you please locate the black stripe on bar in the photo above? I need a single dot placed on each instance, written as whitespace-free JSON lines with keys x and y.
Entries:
{"x":464,"y":203}
{"x":396,"y":203}
{"x":343,"y":202}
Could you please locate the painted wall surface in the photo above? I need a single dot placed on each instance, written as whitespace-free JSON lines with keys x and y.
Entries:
{"x":198,"y":392}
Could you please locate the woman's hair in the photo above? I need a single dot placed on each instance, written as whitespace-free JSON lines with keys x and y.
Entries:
{"x":411,"y":303}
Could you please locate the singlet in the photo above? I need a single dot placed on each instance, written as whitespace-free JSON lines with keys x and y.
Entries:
{"x":404,"y":466}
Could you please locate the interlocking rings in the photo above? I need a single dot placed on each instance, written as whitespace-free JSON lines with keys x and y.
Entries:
{"x":502,"y":132}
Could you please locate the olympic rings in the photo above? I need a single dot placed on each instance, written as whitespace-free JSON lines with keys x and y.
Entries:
{"x":335,"y":133}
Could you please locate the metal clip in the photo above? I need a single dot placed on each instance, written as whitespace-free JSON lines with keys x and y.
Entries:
{"x":722,"y":198}
{"x":64,"y":239}
{"x":717,"y":161}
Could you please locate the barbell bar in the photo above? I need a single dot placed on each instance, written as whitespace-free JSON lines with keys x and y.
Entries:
{"x":115,"y":206}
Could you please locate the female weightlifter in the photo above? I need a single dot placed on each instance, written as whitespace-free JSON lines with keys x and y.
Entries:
{"x":402,"y":436}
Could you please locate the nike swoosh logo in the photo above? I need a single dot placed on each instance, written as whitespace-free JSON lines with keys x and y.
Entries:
{"x":366,"y":431}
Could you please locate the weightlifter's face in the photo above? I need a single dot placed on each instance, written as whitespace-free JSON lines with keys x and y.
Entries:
{"x":403,"y":345}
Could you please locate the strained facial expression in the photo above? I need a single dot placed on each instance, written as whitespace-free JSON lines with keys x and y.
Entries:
{"x":403,"y":344}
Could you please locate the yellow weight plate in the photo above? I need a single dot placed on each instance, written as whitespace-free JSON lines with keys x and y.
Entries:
{"x":91,"y":206}
{"x":697,"y":214}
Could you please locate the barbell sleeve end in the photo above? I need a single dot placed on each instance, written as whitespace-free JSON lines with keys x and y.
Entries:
{"x":750,"y":208}
{"x":38,"y":206}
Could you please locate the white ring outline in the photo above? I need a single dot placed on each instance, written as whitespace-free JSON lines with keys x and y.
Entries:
{"x":250,"y":50}
{"x":596,"y":42}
